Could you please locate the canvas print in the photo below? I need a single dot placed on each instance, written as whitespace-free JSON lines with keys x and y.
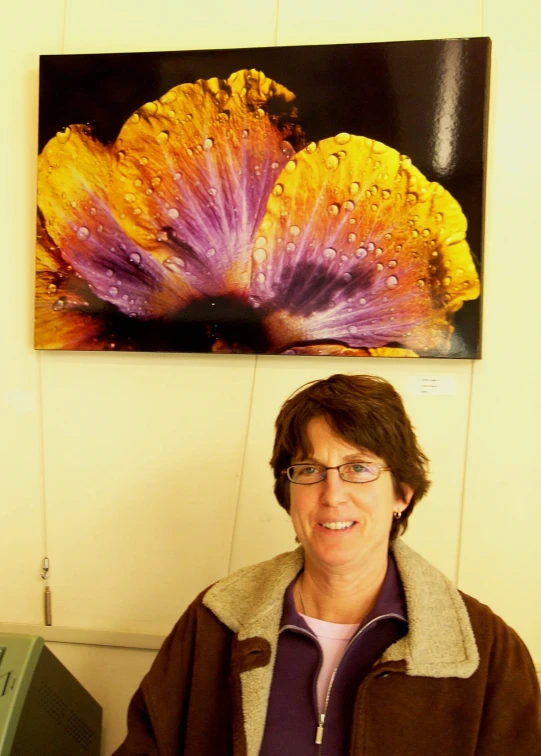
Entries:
{"x":320,"y":200}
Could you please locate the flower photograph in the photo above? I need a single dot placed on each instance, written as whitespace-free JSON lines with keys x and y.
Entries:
{"x":319,"y":200}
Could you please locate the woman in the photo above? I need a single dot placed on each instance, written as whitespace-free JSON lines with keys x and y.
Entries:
{"x":353,"y":643}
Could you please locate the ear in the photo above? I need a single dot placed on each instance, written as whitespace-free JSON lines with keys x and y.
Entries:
{"x":403,"y":503}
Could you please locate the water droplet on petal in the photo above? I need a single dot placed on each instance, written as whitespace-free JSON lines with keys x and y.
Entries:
{"x":291,"y":165}
{"x":59,"y":304}
{"x":129,"y":197}
{"x":374,"y":207}
{"x":311,"y":148}
{"x":83,"y":233}
{"x":421,"y":283}
{"x":260,"y":255}
{"x":379,"y":266}
{"x":260,"y":278}
{"x":173,"y":212}
{"x":352,"y":237}
{"x":352,"y":329}
{"x":161,"y":236}
{"x":208,"y":144}
{"x":362,"y":301}
{"x":342,"y":138}
{"x":93,"y":211}
{"x":174,"y":264}
{"x":134,"y":257}
{"x":379,"y":252}
{"x":294,"y":231}
{"x":354,"y":188}
{"x":64,"y":136}
{"x":135,"y":118}
{"x":361,"y":253}
{"x":51,"y":289}
{"x":162,"y":137}
{"x":211,"y":252}
{"x":415,"y":233}
{"x":446,"y":281}
{"x":149,"y":108}
{"x":426,"y":232}
{"x":392,"y":263}
{"x":109,"y":273}
{"x":334,"y":209}
{"x":332,"y":162}
{"x":290,"y":247}
{"x":275,"y":165}
{"x":113,"y":291}
{"x":156,"y":181}
{"x":278,"y":190}
{"x":348,"y":205}
{"x":392,"y":281}
{"x":143,"y":161}
{"x":260,"y":241}
{"x":439,"y":217}
{"x":245,"y":134}
{"x":347,"y":277}
{"x":329,"y":253}
{"x":385,"y":194}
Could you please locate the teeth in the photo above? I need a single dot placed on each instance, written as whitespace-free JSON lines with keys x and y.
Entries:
{"x":337,"y":525}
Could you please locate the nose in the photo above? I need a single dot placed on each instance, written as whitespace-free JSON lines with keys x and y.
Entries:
{"x":333,"y":489}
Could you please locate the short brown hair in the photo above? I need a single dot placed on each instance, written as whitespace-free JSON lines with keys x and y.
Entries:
{"x":365,"y":411}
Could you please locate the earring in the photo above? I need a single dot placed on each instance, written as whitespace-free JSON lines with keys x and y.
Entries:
{"x":397,"y":515}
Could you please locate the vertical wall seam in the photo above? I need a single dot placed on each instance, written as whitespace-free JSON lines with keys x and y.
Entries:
{"x":464,"y":475}
{"x":64,"y":26}
{"x":276,"y":23}
{"x":241,"y":470}
{"x":41,"y":435}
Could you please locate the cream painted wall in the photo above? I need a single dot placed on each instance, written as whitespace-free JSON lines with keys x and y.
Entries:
{"x":93,"y":446}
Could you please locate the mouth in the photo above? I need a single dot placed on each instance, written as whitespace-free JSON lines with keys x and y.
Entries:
{"x":338,"y":525}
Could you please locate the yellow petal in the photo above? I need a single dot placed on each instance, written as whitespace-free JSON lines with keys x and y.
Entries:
{"x":195,"y":169}
{"x":354,"y":218}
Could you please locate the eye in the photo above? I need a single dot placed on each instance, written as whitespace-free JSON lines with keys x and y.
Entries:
{"x":357,"y":467}
{"x":308,"y":470}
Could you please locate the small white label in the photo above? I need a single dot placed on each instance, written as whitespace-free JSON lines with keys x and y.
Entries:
{"x":442,"y":385}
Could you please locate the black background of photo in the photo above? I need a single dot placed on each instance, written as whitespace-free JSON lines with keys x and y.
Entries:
{"x":392,"y":92}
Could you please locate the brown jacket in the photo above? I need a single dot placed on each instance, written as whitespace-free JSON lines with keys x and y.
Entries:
{"x":460,"y":683}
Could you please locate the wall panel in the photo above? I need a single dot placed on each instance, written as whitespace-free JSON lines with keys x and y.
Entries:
{"x":302,"y":22}
{"x":125,"y":26}
{"x":21,"y":500}
{"x":143,"y":457}
{"x":502,"y":519}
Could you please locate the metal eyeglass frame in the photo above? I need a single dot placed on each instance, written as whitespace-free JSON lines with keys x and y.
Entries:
{"x":379,"y":467}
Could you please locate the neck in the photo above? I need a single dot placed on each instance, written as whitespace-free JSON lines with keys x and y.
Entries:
{"x":339,"y":597}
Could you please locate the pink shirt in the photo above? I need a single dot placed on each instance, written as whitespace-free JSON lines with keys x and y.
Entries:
{"x":333,"y":639}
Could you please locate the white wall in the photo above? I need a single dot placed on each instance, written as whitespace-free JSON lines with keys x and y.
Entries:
{"x":93,"y":445}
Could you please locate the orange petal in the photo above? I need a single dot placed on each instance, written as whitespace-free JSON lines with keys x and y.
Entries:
{"x":74,"y":177}
{"x":361,"y":248}
{"x":336,"y":350}
{"x":195,"y":169}
{"x":62,"y":318}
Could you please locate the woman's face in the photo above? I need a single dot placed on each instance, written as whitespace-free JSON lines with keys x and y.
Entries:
{"x":361,"y":513}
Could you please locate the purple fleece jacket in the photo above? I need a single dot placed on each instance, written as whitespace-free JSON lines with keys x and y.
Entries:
{"x":293,"y":715}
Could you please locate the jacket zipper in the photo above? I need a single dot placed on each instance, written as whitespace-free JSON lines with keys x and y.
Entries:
{"x":322,"y":715}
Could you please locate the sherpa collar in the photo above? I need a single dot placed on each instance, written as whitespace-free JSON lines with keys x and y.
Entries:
{"x":439,"y":643}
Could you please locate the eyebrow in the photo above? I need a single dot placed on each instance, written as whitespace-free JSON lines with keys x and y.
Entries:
{"x":359,"y":457}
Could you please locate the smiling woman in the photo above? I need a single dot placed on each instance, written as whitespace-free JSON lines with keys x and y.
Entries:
{"x":353,"y":643}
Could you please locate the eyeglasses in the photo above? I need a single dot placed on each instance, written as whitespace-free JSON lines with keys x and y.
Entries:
{"x":306,"y":474}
